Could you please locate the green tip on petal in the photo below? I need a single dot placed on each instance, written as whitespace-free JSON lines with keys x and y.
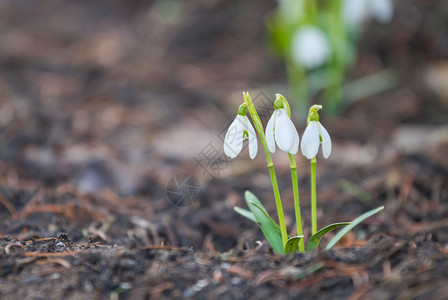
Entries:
{"x":278,"y":104}
{"x":280,"y":97}
{"x":315,"y":107}
{"x":242,"y":110}
{"x":312,"y":114}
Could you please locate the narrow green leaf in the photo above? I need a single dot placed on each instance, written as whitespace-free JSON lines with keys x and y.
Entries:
{"x":292,"y":244}
{"x":315,"y":238}
{"x":245,"y":213}
{"x":353,"y":224}
{"x":250,"y":197}
{"x":270,"y":230}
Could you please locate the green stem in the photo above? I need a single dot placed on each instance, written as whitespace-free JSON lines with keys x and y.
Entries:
{"x":337,"y":66}
{"x":295,"y":188}
{"x":311,"y":10}
{"x":313,"y":197}
{"x":259,"y":127}
{"x":278,"y":203}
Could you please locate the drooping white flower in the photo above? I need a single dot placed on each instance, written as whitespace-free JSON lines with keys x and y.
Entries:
{"x":310,"y":47}
{"x":238,"y":131}
{"x":281,"y":131}
{"x":314,"y":135}
{"x":355,"y":12}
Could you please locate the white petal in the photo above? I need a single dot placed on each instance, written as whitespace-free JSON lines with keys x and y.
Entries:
{"x":253,"y":144}
{"x":270,"y":133}
{"x":295,"y":146}
{"x":310,"y":140}
{"x":326,"y":141}
{"x":233,"y":142}
{"x":284,"y":130}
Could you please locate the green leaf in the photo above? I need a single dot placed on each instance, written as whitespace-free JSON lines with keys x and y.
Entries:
{"x":292,"y":244}
{"x":353,"y":224}
{"x":315,"y":238}
{"x":270,"y":229}
{"x":250,"y":197}
{"x":245,"y":213}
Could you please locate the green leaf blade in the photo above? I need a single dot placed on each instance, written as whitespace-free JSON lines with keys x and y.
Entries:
{"x":292,"y":244}
{"x":245,"y":213}
{"x":353,"y":224}
{"x":250,"y":197}
{"x":270,"y":229}
{"x":315,"y":238}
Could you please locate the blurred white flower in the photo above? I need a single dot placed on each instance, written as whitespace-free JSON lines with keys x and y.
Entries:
{"x":238,"y":131}
{"x":310,"y":47}
{"x":282,"y":131}
{"x":355,"y":12}
{"x":382,"y":10}
{"x":314,"y":135}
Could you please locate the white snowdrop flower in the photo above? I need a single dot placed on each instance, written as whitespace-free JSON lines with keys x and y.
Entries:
{"x":310,"y":47}
{"x":381,"y":10}
{"x":314,"y":135}
{"x":354,"y":12}
{"x":238,"y":131}
{"x":281,"y":131}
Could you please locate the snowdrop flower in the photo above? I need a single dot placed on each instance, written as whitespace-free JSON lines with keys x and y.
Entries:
{"x":238,"y":131}
{"x":310,"y":47}
{"x":355,"y":12}
{"x":382,"y":10}
{"x":281,"y":131}
{"x":314,"y":135}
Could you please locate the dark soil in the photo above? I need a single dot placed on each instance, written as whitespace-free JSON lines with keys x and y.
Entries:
{"x":103,"y":102}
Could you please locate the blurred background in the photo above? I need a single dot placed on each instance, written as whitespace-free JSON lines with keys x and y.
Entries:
{"x":112,"y":171}
{"x":105,"y":101}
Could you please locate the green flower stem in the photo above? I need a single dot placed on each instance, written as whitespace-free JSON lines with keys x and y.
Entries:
{"x":278,"y":203}
{"x":295,"y":184}
{"x":259,"y":127}
{"x":337,"y":67}
{"x":313,"y":197}
{"x":295,"y":188}
{"x":311,"y":10}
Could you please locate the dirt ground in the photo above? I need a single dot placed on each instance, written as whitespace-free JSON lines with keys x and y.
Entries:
{"x":104,"y":103}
